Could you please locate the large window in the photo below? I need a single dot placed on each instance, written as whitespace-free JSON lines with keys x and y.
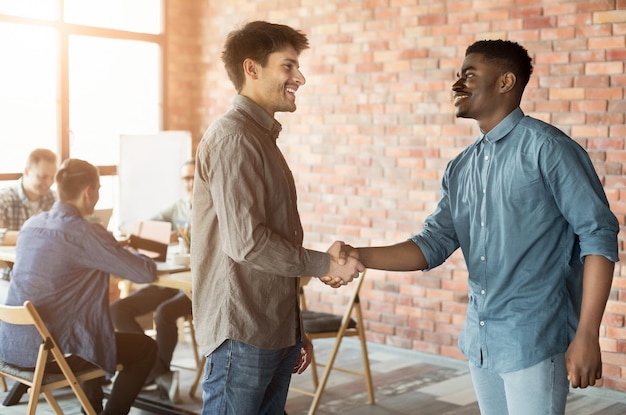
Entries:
{"x":75,"y":75}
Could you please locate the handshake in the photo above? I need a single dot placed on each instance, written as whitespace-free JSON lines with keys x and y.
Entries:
{"x":344,"y":265}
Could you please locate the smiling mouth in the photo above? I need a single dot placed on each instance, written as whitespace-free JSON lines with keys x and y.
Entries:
{"x":459,"y":98}
{"x":291,"y":91}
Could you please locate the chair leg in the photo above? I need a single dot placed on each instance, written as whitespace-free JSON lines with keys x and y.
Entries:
{"x":327,"y":369}
{"x":33,"y":400}
{"x":366,"y":369}
{"x":313,"y":369}
{"x":3,"y":382}
{"x":194,"y":343}
{"x":196,"y":381}
{"x":53,"y":403}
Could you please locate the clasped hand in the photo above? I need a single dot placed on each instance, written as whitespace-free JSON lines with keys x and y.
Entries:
{"x":344,"y":265}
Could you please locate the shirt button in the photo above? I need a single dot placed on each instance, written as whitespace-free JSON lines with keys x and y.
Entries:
{"x":484,"y":191}
{"x":482,"y":323}
{"x":482,"y":223}
{"x":487,"y":157}
{"x":482,"y":292}
{"x":482,"y":258}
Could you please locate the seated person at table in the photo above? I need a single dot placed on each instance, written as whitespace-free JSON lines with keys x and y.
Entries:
{"x":29,"y":196}
{"x":179,"y":212}
{"x":168,"y":303}
{"x":63,"y":264}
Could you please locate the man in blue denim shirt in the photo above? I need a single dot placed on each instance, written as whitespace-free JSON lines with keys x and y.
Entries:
{"x":63,"y":266}
{"x":527,"y":209}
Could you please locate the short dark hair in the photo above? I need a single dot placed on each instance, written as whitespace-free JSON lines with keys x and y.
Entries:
{"x":509,"y":55}
{"x":40,"y":154}
{"x":257,"y":40}
{"x":73,"y":177}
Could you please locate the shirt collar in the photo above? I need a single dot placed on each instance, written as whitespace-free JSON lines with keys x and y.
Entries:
{"x":65,"y":209}
{"x":21,"y":193}
{"x":504,"y":127}
{"x":258,"y":114}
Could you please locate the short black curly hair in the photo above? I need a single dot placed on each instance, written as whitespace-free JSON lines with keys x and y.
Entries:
{"x":508,"y":54}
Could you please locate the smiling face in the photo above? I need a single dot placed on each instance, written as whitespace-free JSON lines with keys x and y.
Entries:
{"x":274,"y":85}
{"x":482,"y":91}
{"x":38,"y":178}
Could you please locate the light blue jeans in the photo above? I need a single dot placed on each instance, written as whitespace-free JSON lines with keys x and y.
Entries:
{"x":538,"y":390}
{"x":242,"y":379}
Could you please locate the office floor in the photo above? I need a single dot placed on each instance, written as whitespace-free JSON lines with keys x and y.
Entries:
{"x":405,"y":382}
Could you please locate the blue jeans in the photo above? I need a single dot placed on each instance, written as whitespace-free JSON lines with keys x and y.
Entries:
{"x":538,"y":390}
{"x":240,"y":379}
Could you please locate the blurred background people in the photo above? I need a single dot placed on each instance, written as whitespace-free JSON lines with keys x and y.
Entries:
{"x":168,"y":304}
{"x":179,"y":212}
{"x":29,"y":196}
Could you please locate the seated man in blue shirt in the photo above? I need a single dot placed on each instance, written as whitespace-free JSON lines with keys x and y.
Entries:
{"x":168,"y":304}
{"x":63,"y":266}
{"x":527,"y":209}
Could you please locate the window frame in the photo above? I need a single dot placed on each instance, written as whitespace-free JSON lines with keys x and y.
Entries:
{"x":64,"y":32}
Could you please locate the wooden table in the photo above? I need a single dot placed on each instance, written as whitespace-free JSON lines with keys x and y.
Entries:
{"x":181,"y":280}
{"x":7,"y":255}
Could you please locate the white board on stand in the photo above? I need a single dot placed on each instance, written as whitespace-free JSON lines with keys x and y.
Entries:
{"x":149,"y":174}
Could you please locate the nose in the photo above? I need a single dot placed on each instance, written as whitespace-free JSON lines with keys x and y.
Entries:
{"x":458,"y":84}
{"x":48,"y":181}
{"x":300,"y":80}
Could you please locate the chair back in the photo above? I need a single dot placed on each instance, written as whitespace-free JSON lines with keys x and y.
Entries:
{"x":36,"y":378}
{"x":24,"y":315}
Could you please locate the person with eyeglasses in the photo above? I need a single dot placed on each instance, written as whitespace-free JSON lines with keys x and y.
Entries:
{"x":168,"y":304}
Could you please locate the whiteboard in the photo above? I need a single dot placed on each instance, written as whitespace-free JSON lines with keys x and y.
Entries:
{"x":149,"y":174}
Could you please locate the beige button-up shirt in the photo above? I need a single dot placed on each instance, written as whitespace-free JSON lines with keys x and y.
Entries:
{"x":246,"y":249}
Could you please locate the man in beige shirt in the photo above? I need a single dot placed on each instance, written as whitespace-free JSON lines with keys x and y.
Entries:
{"x":247,"y":254}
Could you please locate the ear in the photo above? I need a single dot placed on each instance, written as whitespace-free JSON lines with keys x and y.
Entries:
{"x":507,"y":82}
{"x":86,"y":195}
{"x":250,"y":68}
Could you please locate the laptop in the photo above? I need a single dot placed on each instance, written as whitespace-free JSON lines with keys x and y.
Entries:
{"x":102,"y":216}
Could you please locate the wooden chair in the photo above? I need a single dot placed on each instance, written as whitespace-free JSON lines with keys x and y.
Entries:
{"x":36,"y":379}
{"x":319,"y":325}
{"x":200,"y":360}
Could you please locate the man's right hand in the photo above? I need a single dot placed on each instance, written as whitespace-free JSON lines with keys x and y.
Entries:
{"x":343,"y":267}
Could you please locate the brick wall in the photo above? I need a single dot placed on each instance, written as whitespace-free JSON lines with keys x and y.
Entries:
{"x":375,"y":128}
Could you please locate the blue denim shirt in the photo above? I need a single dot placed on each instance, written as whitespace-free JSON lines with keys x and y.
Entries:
{"x":525,"y":206}
{"x":63,"y":267}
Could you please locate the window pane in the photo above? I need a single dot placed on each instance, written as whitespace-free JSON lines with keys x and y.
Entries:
{"x":108,"y":192}
{"x":28,"y":92}
{"x":114,"y":89}
{"x":133,"y":15}
{"x":37,"y":9}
